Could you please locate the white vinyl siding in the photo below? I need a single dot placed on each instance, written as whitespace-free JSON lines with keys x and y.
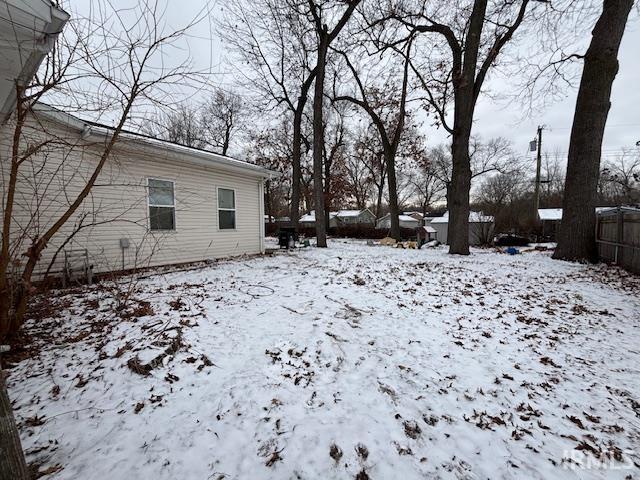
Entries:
{"x":118,"y":206}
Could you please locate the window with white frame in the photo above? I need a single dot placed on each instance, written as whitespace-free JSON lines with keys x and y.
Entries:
{"x":226,"y":209}
{"x":162,"y":205}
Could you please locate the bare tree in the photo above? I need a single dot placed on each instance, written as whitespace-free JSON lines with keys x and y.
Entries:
{"x":358,"y":174}
{"x":320,"y":13}
{"x":552,"y":180}
{"x":576,"y":238}
{"x":271,"y":148}
{"x":274,"y":42}
{"x":182,"y":125}
{"x":334,"y":154}
{"x":427,"y":184}
{"x":368,"y":148}
{"x":222,"y":117}
{"x":115,"y":74}
{"x":387,"y":108}
{"x":467,"y":38}
{"x":620,"y":178}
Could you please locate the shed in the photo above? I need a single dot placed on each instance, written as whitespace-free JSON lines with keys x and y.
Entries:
{"x":550,"y":219}
{"x":406,"y":221}
{"x":480,"y":227}
{"x":309,"y":220}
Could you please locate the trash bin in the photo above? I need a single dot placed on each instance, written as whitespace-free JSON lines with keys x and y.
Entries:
{"x":287,"y":237}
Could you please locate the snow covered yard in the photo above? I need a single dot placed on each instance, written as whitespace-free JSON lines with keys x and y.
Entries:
{"x":350,"y":362}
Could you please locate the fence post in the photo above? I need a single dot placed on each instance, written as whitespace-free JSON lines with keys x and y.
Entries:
{"x":620,"y":237}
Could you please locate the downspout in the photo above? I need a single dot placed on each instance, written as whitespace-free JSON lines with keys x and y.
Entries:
{"x":261,"y":195}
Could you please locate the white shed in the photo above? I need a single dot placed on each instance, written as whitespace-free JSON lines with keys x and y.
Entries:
{"x":309,"y":220}
{"x":405,"y":222}
{"x":480,"y":227}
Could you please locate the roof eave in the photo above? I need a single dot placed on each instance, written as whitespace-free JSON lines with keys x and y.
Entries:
{"x":199,"y":157}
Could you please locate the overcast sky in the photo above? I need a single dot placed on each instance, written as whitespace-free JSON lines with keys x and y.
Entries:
{"x":492,"y":118}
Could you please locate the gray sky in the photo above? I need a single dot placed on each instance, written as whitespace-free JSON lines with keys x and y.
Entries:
{"x":623,"y":125}
{"x":493,"y":118}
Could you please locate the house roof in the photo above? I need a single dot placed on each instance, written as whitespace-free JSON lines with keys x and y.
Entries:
{"x":429,"y":229}
{"x":550,"y":214}
{"x":353,"y":213}
{"x":411,"y":214}
{"x":474,"y":217}
{"x":348,"y":213}
{"x":311,"y":216}
{"x":401,"y":217}
{"x":196,"y":155}
{"x":28,"y":29}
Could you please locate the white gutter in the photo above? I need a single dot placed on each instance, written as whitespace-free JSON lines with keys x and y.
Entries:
{"x":36,"y":48}
{"x":192,"y":155}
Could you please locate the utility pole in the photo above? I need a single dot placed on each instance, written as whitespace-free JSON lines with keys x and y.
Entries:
{"x":536,"y":194}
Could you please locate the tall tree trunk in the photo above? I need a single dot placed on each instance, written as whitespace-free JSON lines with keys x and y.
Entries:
{"x":12,"y":463}
{"x":225,"y":143}
{"x":466,"y":92}
{"x":447,"y":196}
{"x":327,"y":193}
{"x":380,"y":189}
{"x":576,"y":238}
{"x":318,"y":138}
{"x":394,"y":210}
{"x":296,"y":163}
{"x":458,"y":227}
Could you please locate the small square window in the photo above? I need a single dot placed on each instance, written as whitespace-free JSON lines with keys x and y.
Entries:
{"x":162,"y":218}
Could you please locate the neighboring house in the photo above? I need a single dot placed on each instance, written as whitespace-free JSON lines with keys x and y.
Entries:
{"x":309,"y":220}
{"x":405,"y":222}
{"x":356,"y":217}
{"x":341,"y":218}
{"x":155,"y":202}
{"x":480,"y":228}
{"x":417,"y":215}
{"x":550,"y":220}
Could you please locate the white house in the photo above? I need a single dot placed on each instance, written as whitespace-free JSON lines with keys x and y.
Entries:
{"x":309,"y":220}
{"x":406,"y":221}
{"x":341,"y":218}
{"x":154,"y":203}
{"x":480,"y":227}
{"x":356,"y":217}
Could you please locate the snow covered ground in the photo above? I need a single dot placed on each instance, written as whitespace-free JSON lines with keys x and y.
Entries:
{"x":350,"y":362}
